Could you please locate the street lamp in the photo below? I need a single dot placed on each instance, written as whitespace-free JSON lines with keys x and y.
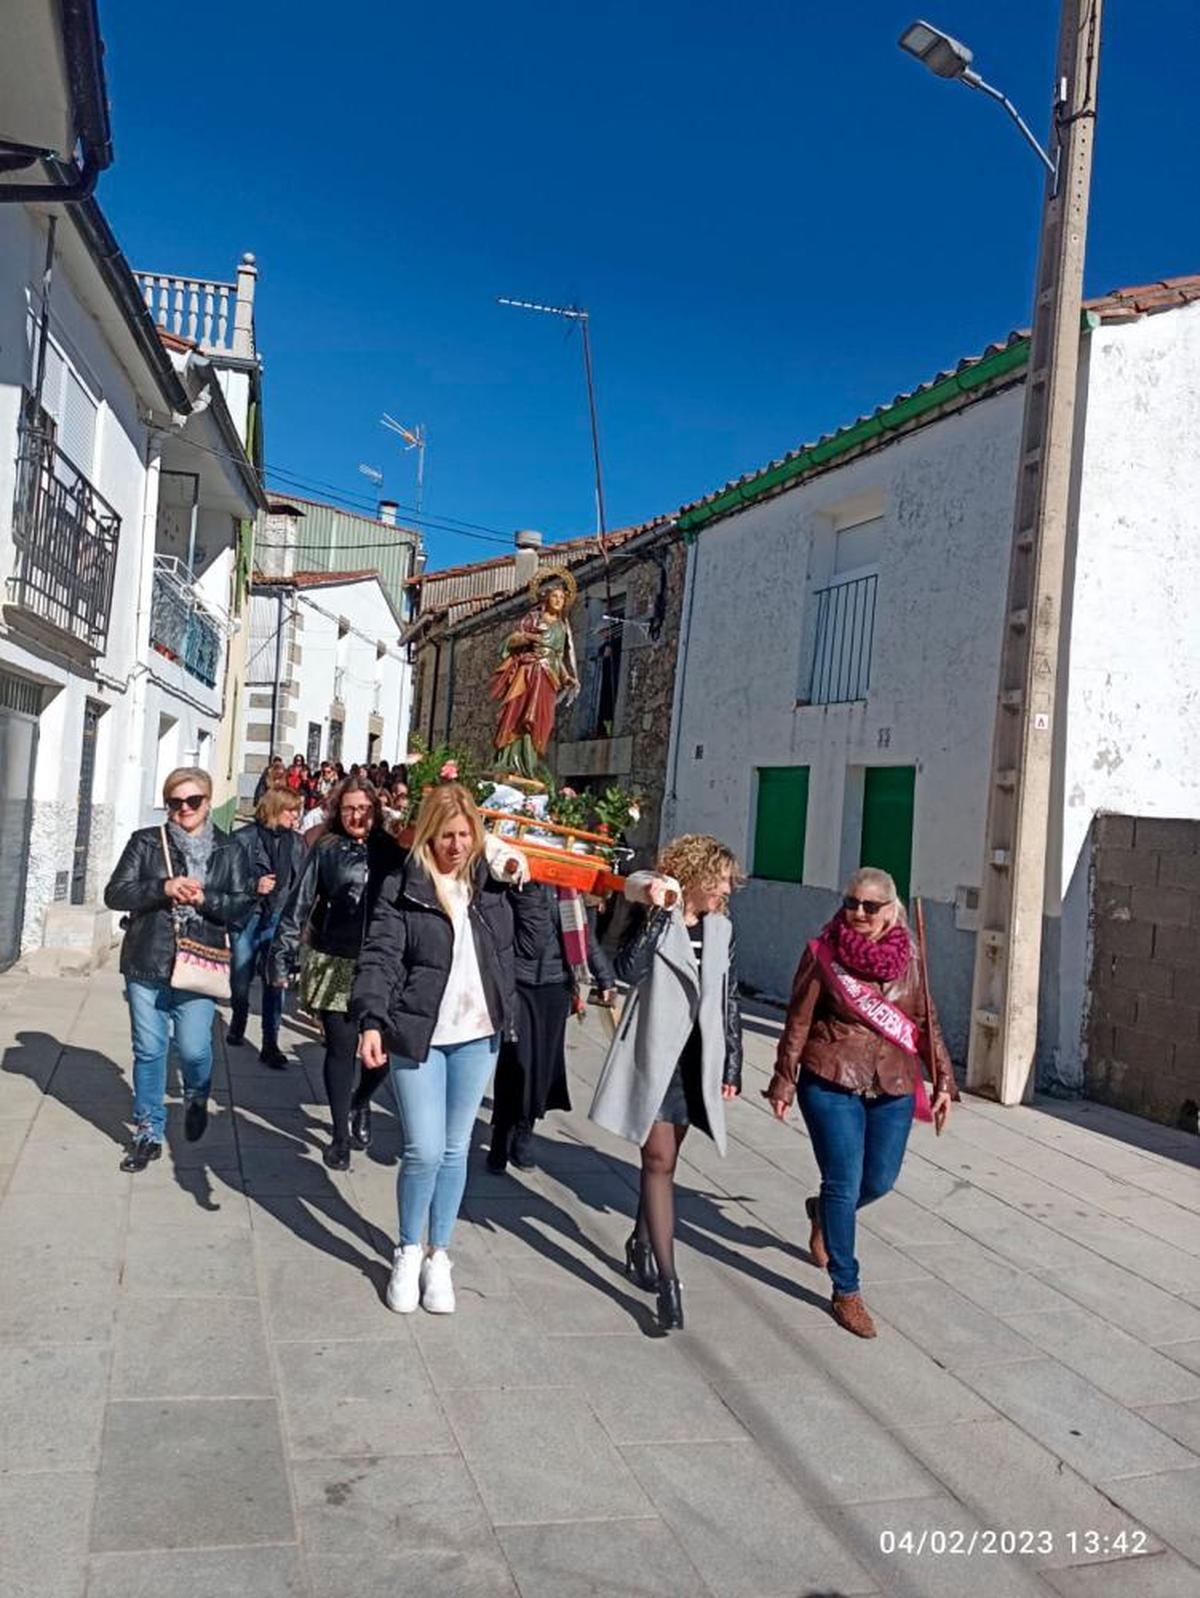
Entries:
{"x":947,"y":57}
{"x":1006,"y":989}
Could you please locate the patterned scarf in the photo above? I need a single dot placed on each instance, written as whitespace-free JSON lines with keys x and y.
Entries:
{"x":883,"y":961}
{"x":196,"y":848}
{"x":572,"y":920}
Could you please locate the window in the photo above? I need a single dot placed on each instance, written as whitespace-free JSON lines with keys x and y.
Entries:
{"x":887,"y":822}
{"x":334,"y":750}
{"x":844,"y":617}
{"x":313,"y":754}
{"x":780,"y":823}
{"x":606,"y":671}
{"x":68,"y":402}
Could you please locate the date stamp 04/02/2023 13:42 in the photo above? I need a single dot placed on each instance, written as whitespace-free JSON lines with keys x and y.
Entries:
{"x":963,"y":1542}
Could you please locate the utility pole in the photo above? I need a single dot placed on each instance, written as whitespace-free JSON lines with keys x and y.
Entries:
{"x":576,"y":313}
{"x":1006,"y":988}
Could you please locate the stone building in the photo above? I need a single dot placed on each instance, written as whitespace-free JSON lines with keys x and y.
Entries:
{"x":626,"y":622}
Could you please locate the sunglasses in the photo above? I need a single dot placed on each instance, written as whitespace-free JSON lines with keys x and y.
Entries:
{"x":187,"y":801}
{"x":870,"y":907}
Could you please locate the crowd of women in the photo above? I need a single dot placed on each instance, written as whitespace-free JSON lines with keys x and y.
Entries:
{"x":428,"y":955}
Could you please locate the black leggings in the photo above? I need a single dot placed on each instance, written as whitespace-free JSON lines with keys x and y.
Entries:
{"x":341,"y":1058}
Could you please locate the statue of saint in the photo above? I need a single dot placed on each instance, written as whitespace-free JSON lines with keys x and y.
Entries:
{"x":537,"y":672}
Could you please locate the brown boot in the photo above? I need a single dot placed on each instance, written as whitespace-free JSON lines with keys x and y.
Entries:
{"x":816,"y":1238}
{"x":850,"y":1311}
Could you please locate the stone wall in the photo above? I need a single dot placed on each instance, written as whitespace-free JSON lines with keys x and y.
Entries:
{"x":635,"y":752}
{"x":1144,"y":1016}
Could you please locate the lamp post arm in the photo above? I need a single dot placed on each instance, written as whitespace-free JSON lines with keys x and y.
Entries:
{"x":974,"y":81}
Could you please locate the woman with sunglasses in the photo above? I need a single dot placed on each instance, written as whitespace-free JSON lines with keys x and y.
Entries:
{"x":320,"y":935}
{"x":182,"y":879}
{"x":856,"y":1029}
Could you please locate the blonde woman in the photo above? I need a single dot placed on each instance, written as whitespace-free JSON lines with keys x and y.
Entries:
{"x":436,"y":989}
{"x":677,"y":1057}
{"x":851,"y":1052}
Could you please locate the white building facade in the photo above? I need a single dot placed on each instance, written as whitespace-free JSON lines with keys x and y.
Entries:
{"x":837,"y":676}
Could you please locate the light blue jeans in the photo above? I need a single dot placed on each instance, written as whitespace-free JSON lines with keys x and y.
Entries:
{"x":438,"y":1099}
{"x":155,"y":1011}
{"x":248,"y":946}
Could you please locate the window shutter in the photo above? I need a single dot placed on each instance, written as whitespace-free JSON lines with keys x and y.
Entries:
{"x":77,"y":424}
{"x":781,"y":823}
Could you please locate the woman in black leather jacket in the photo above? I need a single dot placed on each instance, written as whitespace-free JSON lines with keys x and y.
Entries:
{"x":531,"y":1076}
{"x":320,"y":935}
{"x":181,"y":879}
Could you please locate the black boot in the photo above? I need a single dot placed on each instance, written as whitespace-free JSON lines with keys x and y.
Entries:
{"x":235,"y":1033}
{"x":195,"y":1119}
{"x":360,"y":1125}
{"x":271,"y":1054}
{"x":521,"y":1153}
{"x":337,"y":1156}
{"x":497,"y":1156}
{"x":142,"y":1150}
{"x":670,"y":1304}
{"x":639,"y":1263}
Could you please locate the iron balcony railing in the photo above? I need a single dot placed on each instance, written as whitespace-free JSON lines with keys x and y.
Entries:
{"x":844,"y":635}
{"x":180,"y":628}
{"x":66,"y":541}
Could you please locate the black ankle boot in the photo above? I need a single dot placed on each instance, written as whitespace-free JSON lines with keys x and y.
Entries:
{"x":235,"y":1033}
{"x":360,"y":1126}
{"x":337,"y":1156}
{"x":670,"y":1304}
{"x":639,"y":1263}
{"x":521,"y":1151}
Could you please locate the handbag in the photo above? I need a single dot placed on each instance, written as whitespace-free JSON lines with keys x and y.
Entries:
{"x":198,"y":967}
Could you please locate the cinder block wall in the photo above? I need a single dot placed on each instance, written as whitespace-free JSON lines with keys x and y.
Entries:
{"x":1144,"y":1019}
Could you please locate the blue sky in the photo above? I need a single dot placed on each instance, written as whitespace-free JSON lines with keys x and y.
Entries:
{"x":776,"y":219}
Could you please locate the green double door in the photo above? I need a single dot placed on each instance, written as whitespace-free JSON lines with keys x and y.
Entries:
{"x":887,"y":826}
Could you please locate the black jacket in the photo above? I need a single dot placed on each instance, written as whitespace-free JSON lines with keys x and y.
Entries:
{"x":545,"y":965}
{"x":405,"y":961}
{"x":332,"y":899}
{"x":277,"y":852}
{"x":136,"y":887}
{"x":636,"y":955}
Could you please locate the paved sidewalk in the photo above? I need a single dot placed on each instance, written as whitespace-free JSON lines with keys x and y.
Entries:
{"x":201,"y":1391}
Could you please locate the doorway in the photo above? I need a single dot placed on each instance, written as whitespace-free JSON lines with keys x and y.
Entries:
{"x":20,"y":706}
{"x":889,"y":795}
{"x":83,"y":813}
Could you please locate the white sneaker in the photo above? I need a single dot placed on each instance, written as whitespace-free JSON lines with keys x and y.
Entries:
{"x":404,"y":1288}
{"x":437,"y":1291}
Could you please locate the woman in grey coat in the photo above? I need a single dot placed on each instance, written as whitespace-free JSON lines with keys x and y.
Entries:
{"x":677,"y":1055}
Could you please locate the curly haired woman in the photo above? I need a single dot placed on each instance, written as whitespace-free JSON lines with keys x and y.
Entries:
{"x":677,"y":1055}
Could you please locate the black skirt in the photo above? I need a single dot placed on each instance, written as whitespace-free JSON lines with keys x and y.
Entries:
{"x":683,"y":1102}
{"x":531,"y":1075}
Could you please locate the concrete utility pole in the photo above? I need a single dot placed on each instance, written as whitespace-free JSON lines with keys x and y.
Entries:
{"x":1005,"y":997}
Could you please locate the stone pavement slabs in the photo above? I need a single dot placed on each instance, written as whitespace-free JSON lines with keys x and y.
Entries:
{"x":499,"y":1344}
{"x":52,"y":1403}
{"x":890,"y":1378}
{"x":355,"y":1398}
{"x":68,"y":1168}
{"x":900,"y":1221}
{"x":1158,"y":1217}
{"x":991,"y":1283}
{"x":44,"y":1533}
{"x":960,"y":1332}
{"x":191,"y":1474}
{"x":604,"y":1559}
{"x":874,"y":1530}
{"x":292,"y":1170}
{"x":1075,"y":1420}
{"x":262,"y":1572}
{"x":52,"y":1295}
{"x":825,"y":1444}
{"x":222,"y":1208}
{"x":1186,"y":1354}
{"x":1163,"y":1575}
{"x":1166,"y":1503}
{"x":385,"y":1528}
{"x":647,"y":1390}
{"x":747,"y":1530}
{"x":1138,"y":1307}
{"x":539,"y":1454}
{"x":313,"y":1298}
{"x":1112,"y":1360}
{"x":177,"y":1260}
{"x":190,"y":1348}
{"x":1009,"y":1482}
{"x":1180,"y":1421}
{"x":583,"y":1299}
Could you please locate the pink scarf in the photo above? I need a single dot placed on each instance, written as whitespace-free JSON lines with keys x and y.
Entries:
{"x":884,"y":961}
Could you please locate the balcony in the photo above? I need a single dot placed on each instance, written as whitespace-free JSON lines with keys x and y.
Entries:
{"x":844,"y":637}
{"x":180,"y":627}
{"x":66,"y":541}
{"x":219,"y":317}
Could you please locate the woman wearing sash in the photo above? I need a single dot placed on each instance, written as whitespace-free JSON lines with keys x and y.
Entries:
{"x":857,"y":1030}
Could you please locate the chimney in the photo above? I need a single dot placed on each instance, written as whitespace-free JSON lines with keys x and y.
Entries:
{"x":387,"y":511}
{"x":527,"y":559}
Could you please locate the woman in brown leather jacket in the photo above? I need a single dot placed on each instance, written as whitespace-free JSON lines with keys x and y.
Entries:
{"x":851,"y":1051}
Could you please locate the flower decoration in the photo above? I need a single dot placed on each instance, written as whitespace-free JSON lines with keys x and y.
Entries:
{"x":449,"y":771}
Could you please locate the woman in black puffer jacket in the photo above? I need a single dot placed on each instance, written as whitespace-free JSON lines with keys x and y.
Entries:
{"x":180,"y":880}
{"x":320,"y":935}
{"x":436,"y":987}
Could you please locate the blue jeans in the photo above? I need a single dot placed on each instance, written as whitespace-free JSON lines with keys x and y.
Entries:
{"x":438,"y":1099}
{"x":155,"y":1010}
{"x":248,"y":947}
{"x":859,"y":1144}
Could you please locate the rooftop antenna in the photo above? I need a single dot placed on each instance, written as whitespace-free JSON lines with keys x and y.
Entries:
{"x":577,"y":313}
{"x":372,"y":474}
{"x":414,"y":438}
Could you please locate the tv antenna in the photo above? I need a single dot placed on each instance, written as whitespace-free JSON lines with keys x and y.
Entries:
{"x":414,"y":438}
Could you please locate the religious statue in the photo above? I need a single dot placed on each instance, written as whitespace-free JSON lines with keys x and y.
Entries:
{"x":537,"y":672}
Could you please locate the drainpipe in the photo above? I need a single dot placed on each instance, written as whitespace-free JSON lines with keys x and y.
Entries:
{"x":691,"y":556}
{"x":437,"y":666}
{"x":450,"y":688}
{"x":39,"y":380}
{"x":274,"y":749}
